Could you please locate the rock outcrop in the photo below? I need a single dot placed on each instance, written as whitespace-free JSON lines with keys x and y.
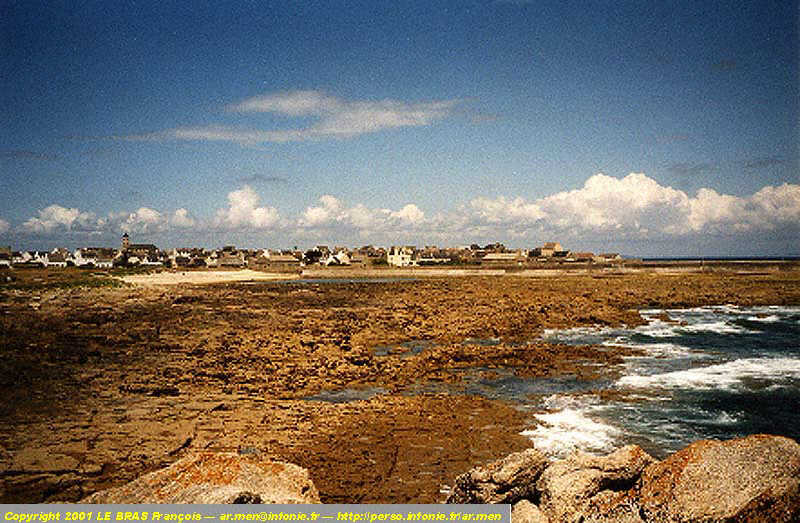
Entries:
{"x":527,"y":512}
{"x":216,"y":478}
{"x":753,"y":479}
{"x":750,"y":479}
{"x":568,"y":487}
{"x":504,"y":481}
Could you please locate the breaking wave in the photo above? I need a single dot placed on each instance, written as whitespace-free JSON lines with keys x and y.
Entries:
{"x":729,"y":375}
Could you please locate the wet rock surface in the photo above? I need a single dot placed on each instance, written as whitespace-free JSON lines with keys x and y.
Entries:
{"x":102,"y":385}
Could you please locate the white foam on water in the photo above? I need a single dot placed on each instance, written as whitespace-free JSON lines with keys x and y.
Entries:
{"x":728,"y":375}
{"x":659,"y":329}
{"x":724,"y":418}
{"x":562,"y":432}
{"x":772,"y":318}
{"x":656,"y":350}
{"x":577,"y":334}
{"x":719,"y":327}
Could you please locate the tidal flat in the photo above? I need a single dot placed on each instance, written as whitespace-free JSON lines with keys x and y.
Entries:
{"x":370,"y":385}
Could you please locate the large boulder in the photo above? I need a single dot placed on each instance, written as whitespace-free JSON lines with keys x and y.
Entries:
{"x":526,"y":512}
{"x":752,"y":479}
{"x":507,"y":480}
{"x":216,"y":478}
{"x":569,"y":487}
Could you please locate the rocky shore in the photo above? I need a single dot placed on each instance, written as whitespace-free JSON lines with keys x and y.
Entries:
{"x":364,"y":384}
{"x":754,"y":479}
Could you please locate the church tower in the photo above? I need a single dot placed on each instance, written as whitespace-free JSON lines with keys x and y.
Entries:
{"x":126,"y":242}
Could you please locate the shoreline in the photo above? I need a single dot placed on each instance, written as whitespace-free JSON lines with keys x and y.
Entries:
{"x":655,"y":267}
{"x":204,"y":277}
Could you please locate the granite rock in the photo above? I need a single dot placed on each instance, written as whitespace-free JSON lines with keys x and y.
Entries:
{"x":216,"y":478}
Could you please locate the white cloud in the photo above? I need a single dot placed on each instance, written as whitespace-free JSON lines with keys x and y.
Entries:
{"x":778,"y":204}
{"x":635,"y":206}
{"x":56,"y":217}
{"x":323,"y":214}
{"x":181,"y":218}
{"x":410,"y":214}
{"x":710,"y":208}
{"x":4,"y":226}
{"x":501,"y":210}
{"x":143,"y":220}
{"x":243,"y":212}
{"x":290,"y":103}
{"x":354,"y":118}
{"x":332,"y":213}
{"x":336,"y":118}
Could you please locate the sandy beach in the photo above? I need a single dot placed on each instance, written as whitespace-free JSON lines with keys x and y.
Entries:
{"x":204,"y":277}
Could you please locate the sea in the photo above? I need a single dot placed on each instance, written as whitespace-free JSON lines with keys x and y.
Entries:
{"x":707,"y":372}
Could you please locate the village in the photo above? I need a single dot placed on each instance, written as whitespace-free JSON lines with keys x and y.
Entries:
{"x":148,"y":255}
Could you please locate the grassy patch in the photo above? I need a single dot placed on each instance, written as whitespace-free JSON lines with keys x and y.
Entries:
{"x":44,"y":279}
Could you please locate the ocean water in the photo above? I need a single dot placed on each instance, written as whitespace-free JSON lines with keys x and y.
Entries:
{"x":708,"y":372}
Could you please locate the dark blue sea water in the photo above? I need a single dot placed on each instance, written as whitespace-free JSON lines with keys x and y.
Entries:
{"x":708,"y":372}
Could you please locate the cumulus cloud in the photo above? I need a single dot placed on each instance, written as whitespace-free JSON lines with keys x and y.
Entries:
{"x":778,"y":205}
{"x":144,"y":220}
{"x":634,"y":207}
{"x":243,"y":212}
{"x":4,"y":226}
{"x":637,"y":206}
{"x":505,"y":211}
{"x":409,"y":214}
{"x":331,"y":212}
{"x":323,"y":214}
{"x":56,"y":217}
{"x":181,"y":218}
{"x":335,"y":118}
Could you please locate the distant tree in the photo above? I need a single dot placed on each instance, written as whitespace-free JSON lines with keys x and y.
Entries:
{"x":312,"y":256}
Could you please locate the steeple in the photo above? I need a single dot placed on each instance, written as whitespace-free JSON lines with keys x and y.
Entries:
{"x":126,"y":242}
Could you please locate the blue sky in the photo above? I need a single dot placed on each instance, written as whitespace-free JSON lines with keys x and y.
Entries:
{"x":646,"y":128}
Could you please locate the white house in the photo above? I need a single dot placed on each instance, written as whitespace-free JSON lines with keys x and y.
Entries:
{"x":58,"y":258}
{"x":30,"y":258}
{"x":82,"y":258}
{"x":400,"y":256}
{"x":340,"y":258}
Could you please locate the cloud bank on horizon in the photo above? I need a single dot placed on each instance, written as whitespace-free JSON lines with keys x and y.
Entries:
{"x":632,"y":207}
